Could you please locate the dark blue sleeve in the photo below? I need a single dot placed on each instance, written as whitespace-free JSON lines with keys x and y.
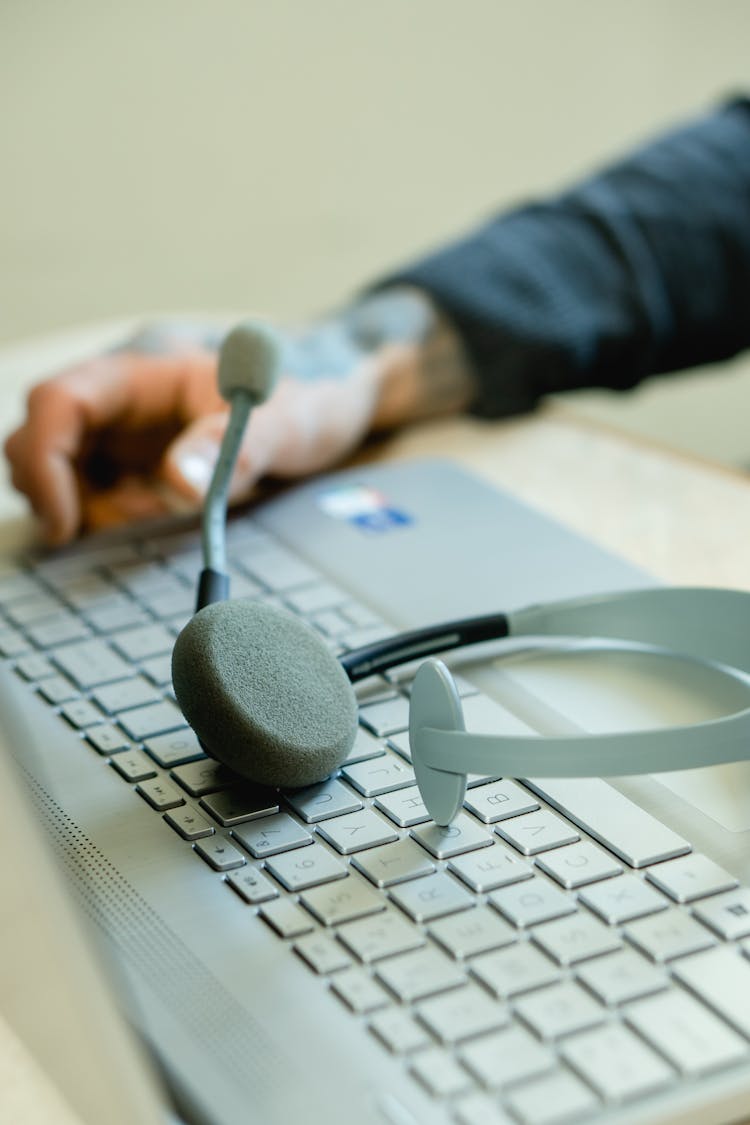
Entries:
{"x":643,"y":268}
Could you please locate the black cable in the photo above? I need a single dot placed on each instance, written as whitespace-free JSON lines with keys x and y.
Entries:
{"x":382,"y":655}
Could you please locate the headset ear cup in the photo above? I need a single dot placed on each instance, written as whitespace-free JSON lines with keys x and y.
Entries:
{"x":435,"y":704}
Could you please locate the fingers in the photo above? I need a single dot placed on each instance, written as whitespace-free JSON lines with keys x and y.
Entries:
{"x":124,"y":400}
{"x":41,"y":454}
{"x":302,"y":428}
{"x":124,"y":395}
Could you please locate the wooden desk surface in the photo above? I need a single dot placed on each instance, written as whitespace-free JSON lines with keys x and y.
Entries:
{"x":683,"y":520}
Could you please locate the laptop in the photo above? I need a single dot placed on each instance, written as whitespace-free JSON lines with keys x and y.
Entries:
{"x":567,"y":951}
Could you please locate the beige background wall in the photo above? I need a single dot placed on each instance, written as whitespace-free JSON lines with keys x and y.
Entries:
{"x":177,"y":154}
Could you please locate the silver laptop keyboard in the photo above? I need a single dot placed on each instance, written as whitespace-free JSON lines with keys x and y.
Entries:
{"x":555,"y":951}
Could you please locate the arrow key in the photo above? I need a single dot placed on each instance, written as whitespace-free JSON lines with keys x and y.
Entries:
{"x":219,"y":853}
{"x":189,"y":823}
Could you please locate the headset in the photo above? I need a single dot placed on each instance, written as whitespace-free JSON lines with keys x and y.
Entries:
{"x":267,"y":697}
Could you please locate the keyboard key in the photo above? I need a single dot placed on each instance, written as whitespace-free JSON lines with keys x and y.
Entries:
{"x":318,"y":802}
{"x":139,"y":576}
{"x":404,"y":807}
{"x":34,"y":667}
{"x":432,"y":897}
{"x":499,"y":800}
{"x":240,"y":803}
{"x":80,"y":713}
{"x":552,"y":1099}
{"x":143,"y":641}
{"x":17,"y":584}
{"x":174,"y":749}
{"x":613,"y":820}
{"x":616,"y":1063}
{"x":322,"y":953}
{"x":490,"y":868}
{"x":154,"y":718}
{"x":480,"y":1109}
{"x":108,"y":739}
{"x":472,"y":932}
{"x":728,"y":915}
{"x":359,"y":991}
{"x":578,"y":864}
{"x":13,"y":643}
{"x":88,"y":589}
{"x":342,"y":901}
{"x":27,"y":611}
{"x":623,"y":899}
{"x":535,"y":832}
{"x":219,"y":853}
{"x":381,"y":775}
{"x":252,"y":885}
{"x":382,"y":935}
{"x":272,"y":835}
{"x":309,"y":867}
{"x":134,"y":765}
{"x":462,"y":835}
{"x":158,"y":669}
{"x":422,"y":973}
{"x":125,"y":693}
{"x":532,"y":901}
{"x":31,"y":610}
{"x":57,"y":630}
{"x":721,"y":978}
{"x":516,"y":969}
{"x":314,"y":598}
{"x":170,"y":600}
{"x":394,"y":863}
{"x":358,"y":638}
{"x":440,"y":1074}
{"x":399,"y":1031}
{"x":354,"y":833}
{"x":330,"y":623}
{"x":462,"y":1013}
{"x":507,"y":1056}
{"x":90,"y":663}
{"x":60,"y":571}
{"x":58,"y":689}
{"x":388,"y":717}
{"x":190,"y":824}
{"x":115,"y":615}
{"x":375,"y":689}
{"x":669,"y":934}
{"x":622,"y":976}
{"x":361,"y":616}
{"x":574,"y":939}
{"x":690,"y":878}
{"x":288,"y":919}
{"x":692,"y":1038}
{"x":561,"y":1009}
{"x":279,"y":570}
{"x":202,"y":777}
{"x":365,"y":747}
{"x":161,"y":795}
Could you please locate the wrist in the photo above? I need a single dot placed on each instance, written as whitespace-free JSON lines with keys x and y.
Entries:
{"x":420,"y":365}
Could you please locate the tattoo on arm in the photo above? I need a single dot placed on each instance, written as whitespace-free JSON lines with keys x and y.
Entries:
{"x":430,"y":371}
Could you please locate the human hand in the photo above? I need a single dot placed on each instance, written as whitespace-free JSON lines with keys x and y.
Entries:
{"x":130,"y":434}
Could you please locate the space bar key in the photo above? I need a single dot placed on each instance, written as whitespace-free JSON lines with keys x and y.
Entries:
{"x":614,"y":820}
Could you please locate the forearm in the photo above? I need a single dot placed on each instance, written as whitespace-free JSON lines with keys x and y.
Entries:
{"x":641,"y":269}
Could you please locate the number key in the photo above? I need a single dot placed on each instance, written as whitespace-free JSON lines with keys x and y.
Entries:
{"x":299,"y":870}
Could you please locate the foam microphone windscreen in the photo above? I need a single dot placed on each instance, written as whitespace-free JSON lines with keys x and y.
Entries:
{"x":263,"y":693}
{"x":249,"y":360}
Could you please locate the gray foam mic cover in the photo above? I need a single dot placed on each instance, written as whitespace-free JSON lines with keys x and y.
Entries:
{"x":263,"y":693}
{"x":249,"y":360}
